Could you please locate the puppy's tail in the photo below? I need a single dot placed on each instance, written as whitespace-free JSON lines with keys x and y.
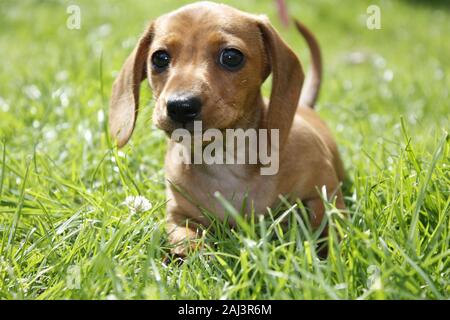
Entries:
{"x":310,"y":90}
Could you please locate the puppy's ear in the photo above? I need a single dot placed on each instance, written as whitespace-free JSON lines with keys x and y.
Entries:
{"x":287,"y":80}
{"x":125,"y":92}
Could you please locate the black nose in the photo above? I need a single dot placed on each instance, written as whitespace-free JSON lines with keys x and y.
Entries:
{"x":184,"y":108}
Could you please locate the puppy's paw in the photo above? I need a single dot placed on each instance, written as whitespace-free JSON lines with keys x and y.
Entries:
{"x":187,"y":247}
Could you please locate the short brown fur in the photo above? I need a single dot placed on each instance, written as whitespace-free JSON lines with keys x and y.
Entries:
{"x":194,"y":35}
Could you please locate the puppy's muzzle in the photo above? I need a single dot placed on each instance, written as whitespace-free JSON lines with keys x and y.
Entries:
{"x":184,"y":109}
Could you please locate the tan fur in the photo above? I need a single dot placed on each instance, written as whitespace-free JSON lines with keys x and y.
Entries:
{"x":194,"y":35}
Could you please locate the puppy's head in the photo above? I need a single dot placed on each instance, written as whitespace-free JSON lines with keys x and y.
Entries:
{"x":207,"y":62}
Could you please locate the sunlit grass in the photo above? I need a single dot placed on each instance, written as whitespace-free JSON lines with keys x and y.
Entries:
{"x":62,"y":186}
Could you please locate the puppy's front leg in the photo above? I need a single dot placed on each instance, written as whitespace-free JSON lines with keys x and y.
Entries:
{"x":182,"y":234}
{"x":317,"y":206}
{"x":318,"y":209}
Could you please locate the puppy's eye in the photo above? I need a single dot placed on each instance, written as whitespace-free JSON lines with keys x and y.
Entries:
{"x":231,"y":59}
{"x":160,"y":60}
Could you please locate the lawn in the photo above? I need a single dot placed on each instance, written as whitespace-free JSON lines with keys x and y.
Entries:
{"x":65,"y":231}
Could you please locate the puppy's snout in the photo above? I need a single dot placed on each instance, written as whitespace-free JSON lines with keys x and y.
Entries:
{"x":184,"y":109}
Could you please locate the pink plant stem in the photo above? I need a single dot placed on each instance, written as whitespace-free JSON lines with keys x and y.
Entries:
{"x":283,"y":12}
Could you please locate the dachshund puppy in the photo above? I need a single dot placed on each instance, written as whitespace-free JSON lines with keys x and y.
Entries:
{"x":207,"y":62}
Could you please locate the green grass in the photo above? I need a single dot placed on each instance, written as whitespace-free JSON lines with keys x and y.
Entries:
{"x":62,"y":186}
